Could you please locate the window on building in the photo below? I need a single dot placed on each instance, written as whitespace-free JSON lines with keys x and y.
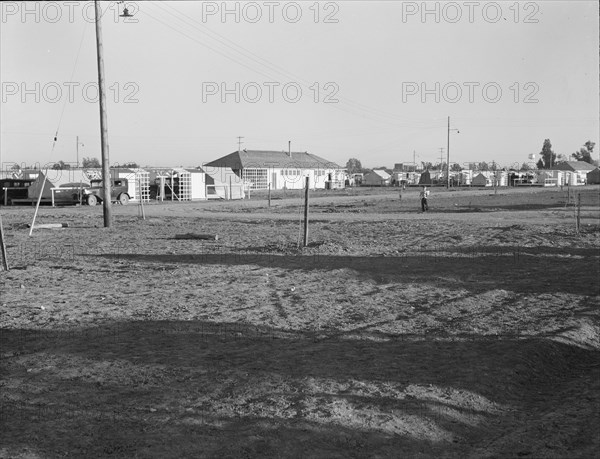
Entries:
{"x":258,"y":178}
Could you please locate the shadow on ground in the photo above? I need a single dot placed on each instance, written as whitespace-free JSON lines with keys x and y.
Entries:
{"x":201,"y":389}
{"x":473,"y":268}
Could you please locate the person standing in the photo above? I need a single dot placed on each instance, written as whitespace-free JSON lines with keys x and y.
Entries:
{"x":424,"y":195}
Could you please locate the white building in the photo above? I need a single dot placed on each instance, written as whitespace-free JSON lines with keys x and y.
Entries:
{"x":578,"y":170}
{"x":279,"y":169}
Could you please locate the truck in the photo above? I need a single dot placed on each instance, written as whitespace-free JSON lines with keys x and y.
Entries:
{"x":94,"y":194}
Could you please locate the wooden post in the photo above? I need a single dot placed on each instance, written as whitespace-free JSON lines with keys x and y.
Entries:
{"x":269,"y":195}
{"x":578,"y":219}
{"x":139,"y":180}
{"x":162,"y":188}
{"x":3,"y":245}
{"x":306,"y":213}
{"x":81,"y":191}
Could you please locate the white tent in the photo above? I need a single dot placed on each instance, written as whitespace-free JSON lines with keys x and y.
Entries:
{"x":223,"y":183}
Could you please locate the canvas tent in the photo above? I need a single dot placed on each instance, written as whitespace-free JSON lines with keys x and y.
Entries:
{"x":377,"y":178}
{"x":480,"y":180}
{"x":55,"y":178}
{"x":593,"y":177}
{"x":223,"y":183}
{"x":425,"y":178}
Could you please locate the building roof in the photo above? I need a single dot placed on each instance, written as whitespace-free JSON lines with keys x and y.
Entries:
{"x":272,"y":159}
{"x":574,"y":166}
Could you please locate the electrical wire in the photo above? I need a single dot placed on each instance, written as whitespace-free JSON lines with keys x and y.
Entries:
{"x":363,"y":110}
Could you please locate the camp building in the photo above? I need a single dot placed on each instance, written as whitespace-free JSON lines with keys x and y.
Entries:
{"x":279,"y":169}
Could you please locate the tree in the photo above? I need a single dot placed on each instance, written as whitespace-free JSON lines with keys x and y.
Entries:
{"x":426,"y":165}
{"x":353,"y":166}
{"x":61,"y":165}
{"x":456,"y":167}
{"x":131,"y":165}
{"x":483,"y":166}
{"x":91,"y":163}
{"x":585,"y":154}
{"x":525,"y":167}
{"x":560,"y":158}
{"x":548,"y":158}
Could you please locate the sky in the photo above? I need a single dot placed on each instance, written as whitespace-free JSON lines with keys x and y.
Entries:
{"x":376,"y":81}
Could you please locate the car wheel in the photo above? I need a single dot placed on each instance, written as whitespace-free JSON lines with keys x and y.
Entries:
{"x":123,"y":199}
{"x":92,"y":200}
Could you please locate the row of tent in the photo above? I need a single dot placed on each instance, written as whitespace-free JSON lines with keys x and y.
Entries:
{"x":180,"y":184}
{"x":576,"y":174}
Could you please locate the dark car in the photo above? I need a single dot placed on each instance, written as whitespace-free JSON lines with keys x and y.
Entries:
{"x":94,"y":194}
{"x":70,"y":193}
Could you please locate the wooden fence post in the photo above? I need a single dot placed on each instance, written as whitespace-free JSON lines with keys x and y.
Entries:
{"x":578,"y":219}
{"x":306,"y":213}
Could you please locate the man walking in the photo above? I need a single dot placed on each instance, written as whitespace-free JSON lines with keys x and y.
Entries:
{"x":424,"y":195}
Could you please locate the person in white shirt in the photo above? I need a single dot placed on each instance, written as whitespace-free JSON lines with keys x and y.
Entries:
{"x":424,"y":195}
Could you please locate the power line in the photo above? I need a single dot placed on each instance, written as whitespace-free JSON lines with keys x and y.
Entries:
{"x":246,"y":54}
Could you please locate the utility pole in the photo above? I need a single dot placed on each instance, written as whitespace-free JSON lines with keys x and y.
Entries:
{"x":448,"y":156}
{"x":106,"y":180}
{"x":441,"y":158}
{"x":448,"y":153}
{"x":239,"y":143}
{"x":77,"y":150}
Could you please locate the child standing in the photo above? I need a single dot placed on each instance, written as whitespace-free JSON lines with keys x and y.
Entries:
{"x":424,"y":195}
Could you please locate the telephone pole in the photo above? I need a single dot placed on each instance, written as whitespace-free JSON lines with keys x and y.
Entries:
{"x":448,"y":156}
{"x":77,"y":150}
{"x":448,"y":153}
{"x":106,"y":180}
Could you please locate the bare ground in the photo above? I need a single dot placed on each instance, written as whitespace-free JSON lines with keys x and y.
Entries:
{"x":469,"y":331}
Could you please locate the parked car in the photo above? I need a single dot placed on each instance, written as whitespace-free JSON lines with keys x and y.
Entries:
{"x":94,"y":194}
{"x":70,"y":193}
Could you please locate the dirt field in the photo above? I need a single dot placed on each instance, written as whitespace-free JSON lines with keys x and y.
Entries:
{"x":468,"y":331}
